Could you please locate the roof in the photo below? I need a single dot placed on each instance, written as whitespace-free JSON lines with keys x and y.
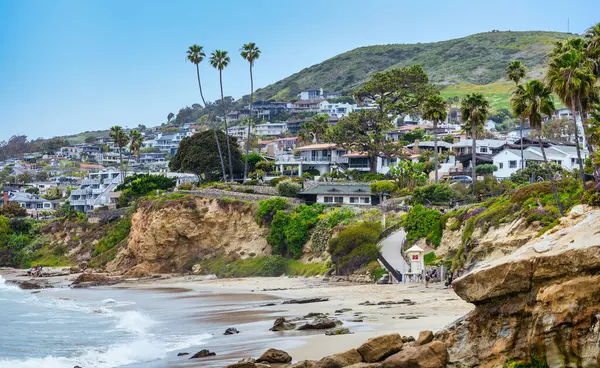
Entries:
{"x":414,"y":248}
{"x":356,"y":154}
{"x":408,"y":127}
{"x":337,"y":189}
{"x":431,"y":144}
{"x":481,"y":143}
{"x":527,"y":155}
{"x":317,"y":146}
{"x":91,"y":166}
{"x":309,"y":102}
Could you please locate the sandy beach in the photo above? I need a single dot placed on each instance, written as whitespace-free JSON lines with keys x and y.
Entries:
{"x":251,"y":305}
{"x":432,"y":309}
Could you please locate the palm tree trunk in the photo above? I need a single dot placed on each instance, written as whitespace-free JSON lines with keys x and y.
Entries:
{"x":474,"y":156}
{"x":121,"y":161}
{"x":435,"y":150}
{"x":550,"y":176}
{"x":220,"y":155}
{"x":373,"y":164}
{"x":226,"y":132}
{"x":249,"y":125}
{"x":522,"y":159}
{"x":574,"y":112}
{"x":200,"y":84}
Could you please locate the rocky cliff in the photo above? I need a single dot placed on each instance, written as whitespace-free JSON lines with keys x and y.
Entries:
{"x":168,"y":236}
{"x":539,"y":303}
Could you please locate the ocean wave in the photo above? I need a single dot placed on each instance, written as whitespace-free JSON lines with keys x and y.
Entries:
{"x":138,"y":351}
{"x":134,"y":321}
{"x":8,"y":287}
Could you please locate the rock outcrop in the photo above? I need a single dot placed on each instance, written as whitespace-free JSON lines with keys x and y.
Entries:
{"x":540,"y":302}
{"x":166,"y":235}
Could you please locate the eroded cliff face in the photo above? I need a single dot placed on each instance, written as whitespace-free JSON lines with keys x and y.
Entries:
{"x":541,"y":301}
{"x":168,"y":236}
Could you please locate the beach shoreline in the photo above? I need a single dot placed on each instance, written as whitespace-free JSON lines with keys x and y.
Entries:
{"x":252,"y":304}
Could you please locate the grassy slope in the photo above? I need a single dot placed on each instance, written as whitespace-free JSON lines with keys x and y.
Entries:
{"x":478,"y":59}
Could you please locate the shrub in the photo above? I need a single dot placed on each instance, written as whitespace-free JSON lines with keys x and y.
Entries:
{"x":186,"y":186}
{"x":270,"y":266}
{"x":251,"y":182}
{"x":485,"y":169}
{"x":268,"y":207}
{"x":591,"y":197}
{"x":118,"y":232}
{"x":535,"y":170}
{"x":288,"y":189}
{"x":13,"y":209}
{"x":383,"y":187}
{"x":355,"y":246}
{"x":419,"y":221}
{"x":290,"y":231}
{"x":139,"y":185}
{"x":429,"y":258}
{"x":433,"y":193}
{"x":276,"y":181}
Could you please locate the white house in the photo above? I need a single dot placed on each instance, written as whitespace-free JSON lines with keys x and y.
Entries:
{"x":336,"y":109}
{"x":347,"y":194}
{"x":483,"y":146}
{"x":508,"y":161}
{"x":516,"y":134}
{"x":270,"y":129}
{"x":240,"y":132}
{"x":322,"y":156}
{"x":94,"y":192}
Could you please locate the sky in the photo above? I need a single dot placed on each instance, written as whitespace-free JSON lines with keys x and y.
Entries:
{"x":68,"y":66}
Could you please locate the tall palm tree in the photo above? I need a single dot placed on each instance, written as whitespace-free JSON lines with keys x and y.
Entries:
{"x":570,"y":76}
{"x":592,"y":37}
{"x":530,"y":101}
{"x":474,"y":110}
{"x":250,"y":52}
{"x":195,"y":54}
{"x":219,"y":60}
{"x":136,"y":142}
{"x":434,"y":109}
{"x":515,"y":71}
{"x":119,"y":136}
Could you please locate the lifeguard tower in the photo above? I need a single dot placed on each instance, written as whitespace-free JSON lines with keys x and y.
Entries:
{"x":417,"y":263}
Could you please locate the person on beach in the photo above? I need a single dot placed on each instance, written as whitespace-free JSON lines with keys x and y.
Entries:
{"x":427,"y":278}
{"x":449,"y":281}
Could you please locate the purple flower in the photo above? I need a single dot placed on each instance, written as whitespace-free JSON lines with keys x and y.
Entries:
{"x":475,"y":212}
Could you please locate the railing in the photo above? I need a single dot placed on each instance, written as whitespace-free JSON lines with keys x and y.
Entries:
{"x":397,"y":275}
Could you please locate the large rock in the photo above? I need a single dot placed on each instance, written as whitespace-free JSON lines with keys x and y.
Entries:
{"x":93,"y":279}
{"x":306,"y":300}
{"x":304,"y":364}
{"x":533,"y":302}
{"x":274,"y":356}
{"x":242,"y":365}
{"x":380,"y":347}
{"x":432,"y":355}
{"x":425,"y":337}
{"x":31,"y":284}
{"x":340,"y":360}
{"x":203,"y":354}
{"x":320,"y":324}
{"x":282,"y":324}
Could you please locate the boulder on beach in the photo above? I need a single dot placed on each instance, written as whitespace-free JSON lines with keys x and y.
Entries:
{"x":203,"y":354}
{"x":340,"y":360}
{"x":380,"y":347}
{"x":432,"y":355}
{"x":281,"y":324}
{"x":231,"y":331}
{"x":242,"y":365}
{"x":274,"y":356}
{"x":182,"y":354}
{"x":30,"y":284}
{"x":93,"y":279}
{"x":337,"y":331}
{"x":305,"y":300}
{"x":320,"y":324}
{"x":304,"y":364}
{"x":425,"y":337}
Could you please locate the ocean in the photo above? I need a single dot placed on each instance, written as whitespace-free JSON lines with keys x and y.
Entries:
{"x":116,"y":327}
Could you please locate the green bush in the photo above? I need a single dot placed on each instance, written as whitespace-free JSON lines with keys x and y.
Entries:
{"x":118,"y":232}
{"x":485,"y":169}
{"x":434,"y":194}
{"x":276,"y":181}
{"x":251,"y":182}
{"x":355,"y":246}
{"x":591,"y":197}
{"x":535,"y":170}
{"x":290,"y":231}
{"x":429,"y":258}
{"x":268,"y":207}
{"x":139,"y":185}
{"x":271,"y":266}
{"x":419,"y":221}
{"x":186,"y":186}
{"x":288,"y":189}
{"x":383,"y":187}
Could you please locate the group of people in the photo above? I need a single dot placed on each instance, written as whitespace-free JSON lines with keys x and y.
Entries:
{"x":35,"y":271}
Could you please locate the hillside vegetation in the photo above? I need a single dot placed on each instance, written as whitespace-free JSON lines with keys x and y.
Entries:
{"x":477,"y":59}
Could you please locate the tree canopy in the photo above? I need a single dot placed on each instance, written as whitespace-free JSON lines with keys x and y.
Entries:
{"x":198,"y":154}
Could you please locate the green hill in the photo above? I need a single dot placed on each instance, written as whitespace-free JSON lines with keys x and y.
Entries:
{"x":478,"y":59}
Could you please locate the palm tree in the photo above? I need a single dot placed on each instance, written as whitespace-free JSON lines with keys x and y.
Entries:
{"x":220,"y":60}
{"x":170,"y":117}
{"x":570,"y":76}
{"x":136,"y":142}
{"x":119,"y":136}
{"x":195,"y":54}
{"x":530,"y":101}
{"x":249,"y":52}
{"x":474,"y":109}
{"x":434,"y":110}
{"x":320,"y":127}
{"x":515,"y":71}
{"x":592,"y":37}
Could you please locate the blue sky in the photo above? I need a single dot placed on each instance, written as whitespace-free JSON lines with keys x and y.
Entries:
{"x":73,"y":65}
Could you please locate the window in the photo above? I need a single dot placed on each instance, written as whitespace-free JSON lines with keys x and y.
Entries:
{"x":501,"y":165}
{"x":39,"y":205}
{"x":483,"y":149}
{"x":339,"y":199}
{"x":328,"y":199}
{"x":365,"y":200}
{"x":354,"y":199}
{"x":512,"y":164}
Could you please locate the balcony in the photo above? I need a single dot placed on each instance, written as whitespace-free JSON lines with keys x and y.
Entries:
{"x":77,"y":202}
{"x":90,"y":182}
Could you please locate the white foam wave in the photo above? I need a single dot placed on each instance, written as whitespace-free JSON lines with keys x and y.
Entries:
{"x":139,"y":351}
{"x":134,"y":321}
{"x":8,"y":287}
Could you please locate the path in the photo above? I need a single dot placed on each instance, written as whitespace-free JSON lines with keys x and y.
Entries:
{"x":391,"y":250}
